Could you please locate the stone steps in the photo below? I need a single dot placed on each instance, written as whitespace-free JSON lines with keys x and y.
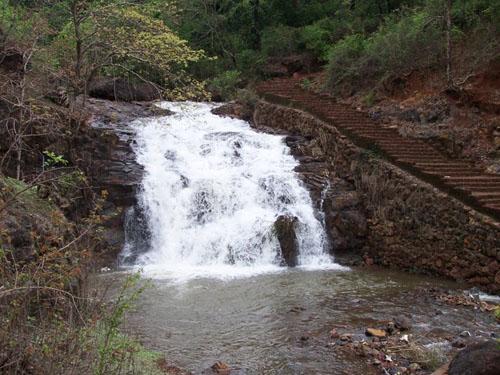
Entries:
{"x":414,"y":155}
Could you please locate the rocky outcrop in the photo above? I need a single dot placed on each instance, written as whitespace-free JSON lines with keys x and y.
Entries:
{"x":121,"y":89}
{"x":482,"y":358}
{"x":288,"y":65}
{"x":105,"y":152}
{"x":336,"y":198}
{"x":285,"y":229}
{"x":345,"y":219}
{"x":410,"y":224}
{"x":234,"y":110}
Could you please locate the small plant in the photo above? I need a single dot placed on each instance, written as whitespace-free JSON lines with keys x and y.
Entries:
{"x":369,"y":99}
{"x":305,"y":84}
{"x":51,"y":159}
{"x":116,"y":351}
{"x":429,"y":358}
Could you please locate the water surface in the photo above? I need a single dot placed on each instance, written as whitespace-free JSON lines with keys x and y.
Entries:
{"x":279,"y":323}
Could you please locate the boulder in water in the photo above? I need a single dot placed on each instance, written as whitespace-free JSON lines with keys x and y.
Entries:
{"x":285,"y":229}
{"x":480,"y":358}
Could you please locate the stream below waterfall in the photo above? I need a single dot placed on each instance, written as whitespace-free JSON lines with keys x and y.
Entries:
{"x":203,"y":232}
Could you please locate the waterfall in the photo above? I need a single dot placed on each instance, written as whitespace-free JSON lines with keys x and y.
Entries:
{"x":212,"y":190}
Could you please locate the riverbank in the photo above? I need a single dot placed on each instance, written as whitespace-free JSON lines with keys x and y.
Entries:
{"x":58,"y":228}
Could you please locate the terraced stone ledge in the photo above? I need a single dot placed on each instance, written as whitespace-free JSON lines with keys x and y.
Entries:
{"x":413,"y":224}
{"x":459,"y":178}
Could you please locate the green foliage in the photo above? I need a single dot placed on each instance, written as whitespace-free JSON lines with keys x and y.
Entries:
{"x":407,"y":43}
{"x":407,"y":40}
{"x":54,"y":160}
{"x":250,"y":63}
{"x":280,"y":40}
{"x":369,"y":98}
{"x":305,"y":84}
{"x":118,"y":353}
{"x":226,"y":84}
{"x":319,"y":36}
{"x":346,"y":59}
{"x":247,"y":97}
{"x":401,"y":44}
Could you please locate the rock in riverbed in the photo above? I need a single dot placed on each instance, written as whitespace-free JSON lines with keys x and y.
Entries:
{"x":285,"y":229}
{"x":375,"y":332}
{"x":480,"y":358}
{"x":402,"y":323}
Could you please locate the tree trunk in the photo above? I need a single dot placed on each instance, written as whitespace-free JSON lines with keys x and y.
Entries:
{"x":449,"y":79}
{"x":256,"y":24}
{"x":76,"y":19}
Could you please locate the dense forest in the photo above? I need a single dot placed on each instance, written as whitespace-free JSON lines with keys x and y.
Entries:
{"x":228,"y":44}
{"x":55,"y":54}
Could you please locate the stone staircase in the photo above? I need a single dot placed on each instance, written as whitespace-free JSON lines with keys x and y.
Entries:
{"x":459,"y":178}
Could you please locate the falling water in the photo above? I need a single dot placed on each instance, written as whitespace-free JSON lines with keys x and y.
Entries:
{"x":212,"y":190}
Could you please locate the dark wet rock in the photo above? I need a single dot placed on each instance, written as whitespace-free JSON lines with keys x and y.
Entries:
{"x":410,"y":115}
{"x":297,"y":309}
{"x":120,"y":89}
{"x":138,"y":234}
{"x":345,"y":220}
{"x":234,"y":110}
{"x":120,"y":114}
{"x":481,"y":358}
{"x":184,"y":181}
{"x":105,"y":152}
{"x":403,"y":323}
{"x":288,"y":65}
{"x":465,"y":334}
{"x":285,"y":229}
{"x":11,"y":61}
{"x":459,"y":342}
{"x":391,"y":328}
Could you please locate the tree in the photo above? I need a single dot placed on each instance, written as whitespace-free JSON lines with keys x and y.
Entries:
{"x":118,"y":38}
{"x":21,"y":82}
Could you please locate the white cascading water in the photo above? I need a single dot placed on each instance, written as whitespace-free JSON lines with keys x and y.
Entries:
{"x":212,"y":190}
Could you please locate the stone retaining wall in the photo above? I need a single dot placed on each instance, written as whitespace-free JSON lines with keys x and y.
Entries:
{"x":411,"y":225}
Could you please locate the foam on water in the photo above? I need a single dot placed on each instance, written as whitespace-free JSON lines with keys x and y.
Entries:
{"x":212,"y":189}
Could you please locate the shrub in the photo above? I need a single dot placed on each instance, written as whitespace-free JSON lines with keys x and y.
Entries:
{"x":226,"y":84}
{"x":319,"y":36}
{"x":280,"y":41}
{"x":250,"y":62}
{"x":402,"y":44}
{"x":305,"y":84}
{"x":369,"y":98}
{"x":346,"y":63}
